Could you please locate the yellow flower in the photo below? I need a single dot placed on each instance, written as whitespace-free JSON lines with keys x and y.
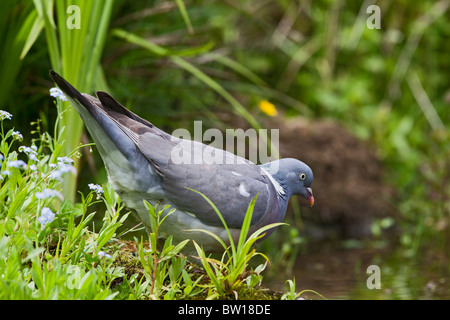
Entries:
{"x":268,"y":108}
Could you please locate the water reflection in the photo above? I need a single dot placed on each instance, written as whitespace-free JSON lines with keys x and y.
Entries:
{"x":339,"y":272}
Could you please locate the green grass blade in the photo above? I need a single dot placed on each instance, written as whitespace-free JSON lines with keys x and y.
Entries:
{"x":132,"y":38}
{"x":185,"y":16}
{"x":233,"y":247}
{"x":158,"y":50}
{"x":210,"y":82}
{"x":17,"y":203}
{"x":215,"y":236}
{"x":16,"y":23}
{"x":239,"y":68}
{"x":37,"y":25}
{"x":258,"y":232}
{"x":208,"y":269}
{"x":246,"y":225}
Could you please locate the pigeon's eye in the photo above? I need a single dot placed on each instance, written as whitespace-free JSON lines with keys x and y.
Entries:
{"x":302,"y":176}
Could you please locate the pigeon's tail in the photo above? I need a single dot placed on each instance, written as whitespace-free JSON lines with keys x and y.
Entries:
{"x":115,"y":131}
{"x":103,"y":118}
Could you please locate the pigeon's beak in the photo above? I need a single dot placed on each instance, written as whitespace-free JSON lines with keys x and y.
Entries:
{"x":309,"y":196}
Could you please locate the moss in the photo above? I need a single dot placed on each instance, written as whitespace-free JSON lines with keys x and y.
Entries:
{"x":127,"y":257}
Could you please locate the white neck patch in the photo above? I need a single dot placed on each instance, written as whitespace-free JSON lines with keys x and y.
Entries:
{"x":277,"y":186}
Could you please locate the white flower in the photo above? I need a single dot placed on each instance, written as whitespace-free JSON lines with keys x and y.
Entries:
{"x":17,"y":164}
{"x":64,"y":160}
{"x":104,"y":254}
{"x":67,"y":168}
{"x":57,"y":174}
{"x":97,"y":188}
{"x":30,"y":151}
{"x":5,"y":115}
{"x":57,"y":93}
{"x":48,"y":193}
{"x":64,"y":165}
{"x":17,"y":135}
{"x":47,"y":216}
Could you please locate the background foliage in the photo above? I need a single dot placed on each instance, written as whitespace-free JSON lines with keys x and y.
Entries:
{"x":173,"y":62}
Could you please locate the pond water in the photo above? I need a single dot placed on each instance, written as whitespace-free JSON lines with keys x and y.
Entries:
{"x":337,"y":271}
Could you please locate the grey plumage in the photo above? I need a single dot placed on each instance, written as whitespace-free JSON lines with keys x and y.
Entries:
{"x":143,"y":162}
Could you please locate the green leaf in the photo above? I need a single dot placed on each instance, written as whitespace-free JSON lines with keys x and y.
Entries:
{"x":132,"y":38}
{"x":215,"y":236}
{"x":158,"y":50}
{"x":33,"y":253}
{"x":185,"y":16}
{"x":246,"y":225}
{"x":208,"y":269}
{"x":34,"y":32}
{"x":17,"y":203}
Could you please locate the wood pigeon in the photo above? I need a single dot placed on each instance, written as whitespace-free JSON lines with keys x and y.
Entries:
{"x":145,"y":163}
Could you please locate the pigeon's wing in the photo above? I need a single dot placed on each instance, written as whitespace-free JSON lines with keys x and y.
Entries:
{"x":230,"y":184}
{"x":229,"y":181}
{"x":140,"y":131}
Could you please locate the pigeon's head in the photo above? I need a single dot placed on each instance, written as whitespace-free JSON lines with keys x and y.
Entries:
{"x":295,"y":177}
